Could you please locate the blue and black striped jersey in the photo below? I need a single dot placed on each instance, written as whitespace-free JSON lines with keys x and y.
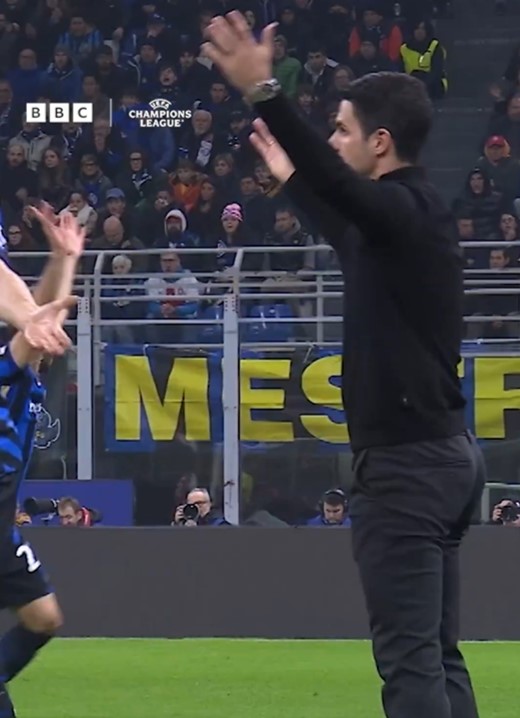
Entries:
{"x":18,"y":414}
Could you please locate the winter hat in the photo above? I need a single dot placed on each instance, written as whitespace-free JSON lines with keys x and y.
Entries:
{"x":233,"y":211}
{"x":179,"y":215}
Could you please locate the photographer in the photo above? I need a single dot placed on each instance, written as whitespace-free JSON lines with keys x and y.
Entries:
{"x":198,"y":511}
{"x":333,"y":508}
{"x":506,"y":513}
{"x":68,"y":509}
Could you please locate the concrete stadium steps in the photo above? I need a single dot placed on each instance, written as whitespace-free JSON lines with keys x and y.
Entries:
{"x":479,"y":45}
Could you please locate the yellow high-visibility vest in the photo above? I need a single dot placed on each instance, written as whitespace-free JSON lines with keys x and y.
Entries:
{"x":414,"y":61}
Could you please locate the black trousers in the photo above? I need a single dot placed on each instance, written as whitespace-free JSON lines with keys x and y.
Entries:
{"x":410,"y":508}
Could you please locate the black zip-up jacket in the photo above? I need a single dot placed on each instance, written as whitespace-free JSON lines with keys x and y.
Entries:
{"x":403,"y":298}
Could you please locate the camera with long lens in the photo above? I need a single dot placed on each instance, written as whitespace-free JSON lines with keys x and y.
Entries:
{"x":48,"y":508}
{"x":510,"y":513}
{"x":190,"y":512}
{"x":41,"y":507}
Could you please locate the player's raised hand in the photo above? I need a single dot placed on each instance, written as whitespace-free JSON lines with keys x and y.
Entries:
{"x":240,"y":58}
{"x":66,"y":238}
{"x":271,"y":152}
{"x":44,"y":331}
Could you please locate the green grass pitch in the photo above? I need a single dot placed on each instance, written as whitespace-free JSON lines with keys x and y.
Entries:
{"x":93,"y":678}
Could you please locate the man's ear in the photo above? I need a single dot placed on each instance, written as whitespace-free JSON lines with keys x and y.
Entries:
{"x":382,"y":141}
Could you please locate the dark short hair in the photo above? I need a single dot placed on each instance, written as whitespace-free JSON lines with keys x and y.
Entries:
{"x":315,"y":48}
{"x":396,"y":102}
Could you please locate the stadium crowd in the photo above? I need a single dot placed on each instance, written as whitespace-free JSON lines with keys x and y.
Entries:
{"x":193,"y":186}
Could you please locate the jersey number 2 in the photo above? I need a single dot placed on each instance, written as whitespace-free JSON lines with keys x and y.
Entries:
{"x":32,"y":562}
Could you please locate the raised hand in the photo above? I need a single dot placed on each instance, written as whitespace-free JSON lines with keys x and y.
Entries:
{"x":44,"y":331}
{"x":66,"y":238}
{"x":271,"y":152}
{"x":239,"y":57}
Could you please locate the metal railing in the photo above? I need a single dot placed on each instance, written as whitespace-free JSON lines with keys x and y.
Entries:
{"x":232,"y":289}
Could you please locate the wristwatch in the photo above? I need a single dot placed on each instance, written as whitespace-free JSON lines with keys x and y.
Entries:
{"x":263,"y":91}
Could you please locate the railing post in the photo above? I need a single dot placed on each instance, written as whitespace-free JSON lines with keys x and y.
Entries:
{"x":230,"y":405}
{"x":96,"y":353}
{"x":85,"y":394}
{"x":320,"y":305}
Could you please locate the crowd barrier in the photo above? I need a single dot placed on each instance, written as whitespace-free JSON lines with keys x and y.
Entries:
{"x":261,"y":583}
{"x":317,"y":330}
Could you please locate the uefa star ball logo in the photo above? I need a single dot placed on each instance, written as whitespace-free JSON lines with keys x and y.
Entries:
{"x":160,"y":113}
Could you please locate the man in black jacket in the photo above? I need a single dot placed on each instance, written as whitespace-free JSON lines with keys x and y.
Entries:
{"x":418,"y":473}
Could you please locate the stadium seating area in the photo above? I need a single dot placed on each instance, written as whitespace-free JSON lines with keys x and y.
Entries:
{"x":200,"y":184}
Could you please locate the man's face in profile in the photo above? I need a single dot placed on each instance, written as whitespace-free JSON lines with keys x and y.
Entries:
{"x":349,"y":141}
{"x":69,"y":517}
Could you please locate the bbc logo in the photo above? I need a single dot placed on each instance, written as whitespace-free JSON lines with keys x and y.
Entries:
{"x":59,"y":112}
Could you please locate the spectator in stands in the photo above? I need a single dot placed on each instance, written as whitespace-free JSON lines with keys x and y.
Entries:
{"x":220,"y":104}
{"x":92,"y":181}
{"x":509,"y":231}
{"x":194,"y":78}
{"x":369,"y":59}
{"x":318,"y":71}
{"x":143,"y":69}
{"x":17,"y":181}
{"x":201,"y":142}
{"x":297,"y":33}
{"x":286,"y":69}
{"x":137,"y":180}
{"x":9,"y":117}
{"x":257,"y":208}
{"x":151,"y":212}
{"x":252,"y":21}
{"x":423,"y":56}
{"x":185,"y":184}
{"x":234,"y":234}
{"x":63,"y":77}
{"x":335,"y":28}
{"x":172,"y":296}
{"x":157,"y":142}
{"x":46,"y":25}
{"x":117,"y":206}
{"x":341,"y":79}
{"x":169,"y":88}
{"x":481,"y":202}
{"x":225,"y":177}
{"x":384,"y":34}
{"x":19,"y":240}
{"x":108,"y":17}
{"x":34,"y":142}
{"x":27,"y":80}
{"x":290,"y":266}
{"x":8,"y":42}
{"x":84,"y":213}
{"x":176,"y":235}
{"x":501,"y":305}
{"x":267,"y":182}
{"x":91,"y":92}
{"x":110,"y":76}
{"x":54,"y":180}
{"x":237,"y":139}
{"x":106,"y":143}
{"x":113,"y":238}
{"x":81,"y":39}
{"x":307,"y":105}
{"x":122,"y":288}
{"x":333,"y":510}
{"x":204,"y":218}
{"x":475,"y":258}
{"x":508,"y":125}
{"x":67,"y":142}
{"x":503,"y":171}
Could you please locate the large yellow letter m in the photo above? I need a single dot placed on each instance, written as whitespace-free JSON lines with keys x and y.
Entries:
{"x":137,"y":399}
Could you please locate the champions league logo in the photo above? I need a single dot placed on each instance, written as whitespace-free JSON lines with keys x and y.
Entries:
{"x":160,"y":113}
{"x":47,"y":431}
